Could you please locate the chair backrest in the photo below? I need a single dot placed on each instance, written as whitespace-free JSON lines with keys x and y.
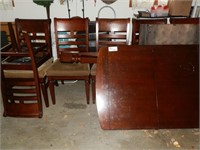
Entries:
{"x":40,"y":32}
{"x":71,"y":35}
{"x":136,"y":27}
{"x":112,"y":32}
{"x":184,"y":20}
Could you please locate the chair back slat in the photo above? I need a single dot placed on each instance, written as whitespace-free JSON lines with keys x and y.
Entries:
{"x":112,"y":32}
{"x":71,"y":35}
{"x":38,"y":29}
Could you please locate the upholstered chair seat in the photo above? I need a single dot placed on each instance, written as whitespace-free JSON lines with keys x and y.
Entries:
{"x":68,"y":69}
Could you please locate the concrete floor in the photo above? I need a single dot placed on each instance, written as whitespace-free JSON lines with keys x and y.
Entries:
{"x":73,"y":125}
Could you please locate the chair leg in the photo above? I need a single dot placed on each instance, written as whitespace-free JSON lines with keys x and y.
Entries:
{"x":52,"y":91}
{"x":87,"y":89}
{"x":4,"y":97}
{"x":44,"y":93}
{"x":94,"y":89}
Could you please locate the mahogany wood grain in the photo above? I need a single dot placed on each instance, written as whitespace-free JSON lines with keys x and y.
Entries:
{"x":177,"y":82}
{"x":125,"y":88}
{"x":39,"y":29}
{"x":142,"y":87}
{"x":184,"y":20}
{"x":21,"y":96}
{"x":109,"y":32}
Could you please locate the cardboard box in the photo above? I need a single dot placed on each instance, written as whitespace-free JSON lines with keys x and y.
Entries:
{"x":179,"y":7}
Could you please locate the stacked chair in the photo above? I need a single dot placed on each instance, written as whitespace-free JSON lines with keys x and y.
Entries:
{"x":24,"y":67}
{"x":40,"y":32}
{"x":21,"y":95}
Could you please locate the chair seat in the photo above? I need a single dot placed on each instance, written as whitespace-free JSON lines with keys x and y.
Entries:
{"x":68,"y":69}
{"x":29,"y":73}
{"x":93,"y":70}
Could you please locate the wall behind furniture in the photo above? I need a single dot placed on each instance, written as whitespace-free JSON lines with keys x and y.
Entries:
{"x":28,"y":9}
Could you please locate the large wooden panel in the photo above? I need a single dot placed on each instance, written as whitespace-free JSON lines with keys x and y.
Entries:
{"x":141,"y":87}
{"x":177,"y":82}
{"x":126,"y":97}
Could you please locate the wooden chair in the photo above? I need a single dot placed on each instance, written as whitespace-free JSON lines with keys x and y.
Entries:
{"x":71,"y":38}
{"x":184,"y":20}
{"x":136,"y":27}
{"x":109,"y":32}
{"x":22,"y":97}
{"x":39,"y":29}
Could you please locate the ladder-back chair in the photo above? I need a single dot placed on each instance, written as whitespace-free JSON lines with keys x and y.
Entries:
{"x":71,"y":38}
{"x":40,"y":34}
{"x":21,"y":96}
